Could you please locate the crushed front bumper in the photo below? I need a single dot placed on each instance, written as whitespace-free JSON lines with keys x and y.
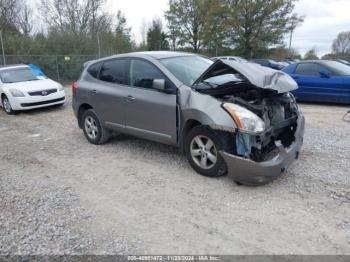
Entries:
{"x":249,"y":172}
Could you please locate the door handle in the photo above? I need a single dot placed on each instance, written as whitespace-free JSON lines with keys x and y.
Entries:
{"x":130,"y":98}
{"x":93,"y":92}
{"x":295,"y":77}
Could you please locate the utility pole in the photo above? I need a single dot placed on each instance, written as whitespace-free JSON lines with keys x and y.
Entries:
{"x":290,"y":40}
{"x":2,"y":47}
{"x":99,"y":45}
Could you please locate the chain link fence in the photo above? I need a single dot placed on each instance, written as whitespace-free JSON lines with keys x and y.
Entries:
{"x":62,"y":68}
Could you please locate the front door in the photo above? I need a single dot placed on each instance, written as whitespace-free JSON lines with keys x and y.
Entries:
{"x":149,"y":113}
{"x":314,"y":87}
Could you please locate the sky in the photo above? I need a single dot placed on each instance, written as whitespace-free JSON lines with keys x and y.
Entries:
{"x":324,"y":19}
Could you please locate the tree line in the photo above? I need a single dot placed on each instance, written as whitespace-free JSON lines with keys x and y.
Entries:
{"x":250,"y":28}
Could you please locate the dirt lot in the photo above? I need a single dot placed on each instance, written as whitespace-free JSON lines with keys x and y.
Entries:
{"x":61,"y":195}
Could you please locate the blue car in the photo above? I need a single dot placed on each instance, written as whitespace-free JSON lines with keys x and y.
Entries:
{"x":321,"y":81}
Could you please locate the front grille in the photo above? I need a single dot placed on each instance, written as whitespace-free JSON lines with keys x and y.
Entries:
{"x":43,"y":92}
{"x":43,"y":102}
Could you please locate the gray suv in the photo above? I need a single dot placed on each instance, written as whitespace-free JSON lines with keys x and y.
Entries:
{"x":227,"y":117}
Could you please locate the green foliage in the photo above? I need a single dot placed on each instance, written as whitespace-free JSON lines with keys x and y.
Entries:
{"x":311,"y":55}
{"x":156,"y":38}
{"x":258,"y":24}
{"x":248,"y":26}
{"x":189,"y":18}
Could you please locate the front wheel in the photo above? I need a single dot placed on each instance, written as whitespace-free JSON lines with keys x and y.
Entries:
{"x":94,"y":132}
{"x":202,"y":146}
{"x":7,"y":105}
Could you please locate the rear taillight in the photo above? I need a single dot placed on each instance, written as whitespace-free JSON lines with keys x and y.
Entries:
{"x":74,"y":87}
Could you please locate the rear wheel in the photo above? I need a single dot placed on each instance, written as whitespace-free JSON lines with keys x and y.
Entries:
{"x":94,"y":132}
{"x":202,"y":146}
{"x":7,"y":105}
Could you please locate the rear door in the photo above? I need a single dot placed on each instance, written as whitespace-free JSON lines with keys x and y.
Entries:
{"x":107,"y":96}
{"x":314,"y":87}
{"x":150,"y":113}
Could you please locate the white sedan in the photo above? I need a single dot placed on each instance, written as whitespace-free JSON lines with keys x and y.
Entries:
{"x":22,"y":89}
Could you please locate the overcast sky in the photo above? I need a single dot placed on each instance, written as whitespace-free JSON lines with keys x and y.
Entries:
{"x":324,"y":20}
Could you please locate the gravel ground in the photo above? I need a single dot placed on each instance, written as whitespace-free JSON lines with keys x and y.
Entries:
{"x":61,"y":195}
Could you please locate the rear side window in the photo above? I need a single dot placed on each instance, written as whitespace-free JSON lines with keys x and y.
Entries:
{"x":143,"y":73}
{"x":113,"y":71}
{"x":310,"y":69}
{"x":94,"y":69}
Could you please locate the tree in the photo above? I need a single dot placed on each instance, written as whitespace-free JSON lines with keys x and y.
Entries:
{"x":341,"y":45}
{"x":9,"y":10}
{"x":74,"y":16}
{"x":123,"y":39}
{"x":186,"y":21}
{"x":311,"y":54}
{"x":215,"y":29}
{"x":256,"y":24}
{"x":156,"y":38}
{"x":25,"y":19}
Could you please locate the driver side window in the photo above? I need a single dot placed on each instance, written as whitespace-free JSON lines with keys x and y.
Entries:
{"x":143,"y":73}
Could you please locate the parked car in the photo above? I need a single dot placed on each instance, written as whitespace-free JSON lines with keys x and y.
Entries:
{"x":233,"y":58}
{"x":268,"y":63}
{"x":343,"y":62}
{"x":225,"y":116}
{"x":284,"y":63}
{"x":21,"y":88}
{"x":292,"y":61}
{"x":321,"y":81}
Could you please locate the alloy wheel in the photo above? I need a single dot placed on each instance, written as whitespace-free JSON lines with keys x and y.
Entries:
{"x":203,"y":152}
{"x":7,"y":105}
{"x":91,"y":127}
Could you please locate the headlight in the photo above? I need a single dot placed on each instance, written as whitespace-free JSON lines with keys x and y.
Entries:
{"x":16,"y":93}
{"x":60,"y":88}
{"x":245,"y":119}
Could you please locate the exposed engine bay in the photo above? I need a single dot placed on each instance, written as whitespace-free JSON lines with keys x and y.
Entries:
{"x":278,"y":111}
{"x":264,"y":92}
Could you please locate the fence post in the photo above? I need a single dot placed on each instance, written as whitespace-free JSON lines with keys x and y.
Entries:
{"x":2,"y":47}
{"x":58,"y":70}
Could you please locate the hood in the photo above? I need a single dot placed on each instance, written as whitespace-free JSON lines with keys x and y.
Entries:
{"x":256,"y":75}
{"x":32,"y":86}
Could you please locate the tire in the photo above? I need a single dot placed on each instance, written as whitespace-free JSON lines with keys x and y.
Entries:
{"x":7,"y":106}
{"x":195,"y":152}
{"x":94,"y":132}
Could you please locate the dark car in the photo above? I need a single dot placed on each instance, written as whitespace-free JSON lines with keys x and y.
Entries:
{"x":233,"y":58}
{"x":268,"y":63}
{"x":321,"y":81}
{"x":225,"y":116}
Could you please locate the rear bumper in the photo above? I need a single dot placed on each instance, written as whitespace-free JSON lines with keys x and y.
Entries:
{"x":253,"y":173}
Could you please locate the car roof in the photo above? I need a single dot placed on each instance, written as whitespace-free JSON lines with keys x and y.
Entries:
{"x":154,"y":54}
{"x":144,"y":54}
{"x":315,"y":61}
{"x":3,"y":67}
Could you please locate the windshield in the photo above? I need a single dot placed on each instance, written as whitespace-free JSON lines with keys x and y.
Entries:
{"x":339,"y":68}
{"x":16,"y":75}
{"x":187,"y":68}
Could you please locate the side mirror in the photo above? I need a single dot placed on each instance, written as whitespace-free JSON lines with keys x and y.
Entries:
{"x":325,"y":73}
{"x":159,"y":84}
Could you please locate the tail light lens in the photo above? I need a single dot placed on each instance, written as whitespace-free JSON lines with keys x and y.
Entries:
{"x":74,"y":87}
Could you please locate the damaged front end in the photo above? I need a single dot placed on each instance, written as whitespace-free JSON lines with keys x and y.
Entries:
{"x":261,"y":157}
{"x":270,"y":126}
